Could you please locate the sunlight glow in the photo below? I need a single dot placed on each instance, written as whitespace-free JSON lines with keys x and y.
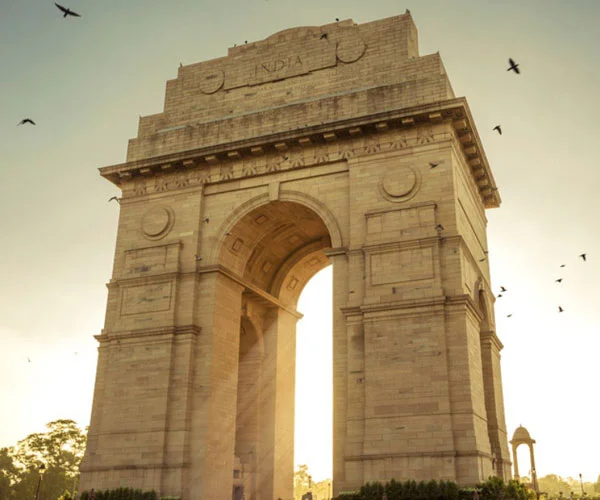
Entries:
{"x":313,"y":439}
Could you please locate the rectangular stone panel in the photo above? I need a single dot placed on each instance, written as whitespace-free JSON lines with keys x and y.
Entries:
{"x":139,"y":299}
{"x":401,"y":265}
{"x":400,"y":224}
{"x":151,"y":260}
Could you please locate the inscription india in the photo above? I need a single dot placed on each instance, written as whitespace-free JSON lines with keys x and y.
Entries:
{"x":284,"y":66}
{"x":283,"y":62}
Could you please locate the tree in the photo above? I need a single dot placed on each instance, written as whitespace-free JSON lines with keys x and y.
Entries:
{"x":302,"y":481}
{"x":59,"y":450}
{"x":553,"y":485}
{"x":8,"y":472}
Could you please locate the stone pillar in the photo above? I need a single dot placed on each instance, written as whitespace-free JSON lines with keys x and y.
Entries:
{"x":473,"y":452}
{"x":215,"y":388}
{"x":276,"y":454}
{"x":492,"y":382}
{"x":342,"y":477}
{"x":515,"y":462}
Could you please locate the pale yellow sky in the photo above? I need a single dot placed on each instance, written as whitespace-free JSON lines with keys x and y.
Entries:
{"x":86,"y":81}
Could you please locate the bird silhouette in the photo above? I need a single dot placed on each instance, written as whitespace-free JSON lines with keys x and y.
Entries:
{"x":118,"y":200}
{"x":558,"y":280}
{"x":26,"y":120}
{"x":563,"y":265}
{"x":439,"y":228}
{"x":513,"y":66}
{"x":583,"y":256}
{"x":509,"y":315}
{"x":560,"y":309}
{"x":481,"y":260}
{"x":337,"y":19}
{"x":499,"y":295}
{"x":433,"y":164}
{"x":28,"y":360}
{"x":285,"y":158}
{"x":206,"y":219}
{"x":502,"y":289}
{"x":198,"y":258}
{"x":323,"y":36}
{"x":498,"y":128}
{"x":66,"y":11}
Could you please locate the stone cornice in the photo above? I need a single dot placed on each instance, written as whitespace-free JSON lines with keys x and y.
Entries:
{"x":162,"y":331}
{"x":283,"y":144}
{"x":466,"y":301}
{"x":492,"y":338}
{"x":259,"y":294}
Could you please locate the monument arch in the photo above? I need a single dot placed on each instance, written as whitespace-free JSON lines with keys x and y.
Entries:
{"x":287,"y":155}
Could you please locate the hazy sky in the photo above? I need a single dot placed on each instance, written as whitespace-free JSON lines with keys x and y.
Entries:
{"x":85,"y":82}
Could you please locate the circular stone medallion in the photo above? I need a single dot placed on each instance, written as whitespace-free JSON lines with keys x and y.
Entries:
{"x":210,"y":82}
{"x":400,"y":183}
{"x":351,"y":49}
{"x":157,"y":222}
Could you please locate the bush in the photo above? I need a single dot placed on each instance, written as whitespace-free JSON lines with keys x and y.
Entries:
{"x":121,"y":494}
{"x":349,"y":495}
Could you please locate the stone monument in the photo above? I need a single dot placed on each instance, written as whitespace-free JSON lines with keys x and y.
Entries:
{"x":329,"y":145}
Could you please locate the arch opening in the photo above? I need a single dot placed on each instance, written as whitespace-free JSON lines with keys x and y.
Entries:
{"x":273,"y":251}
{"x":314,"y":388}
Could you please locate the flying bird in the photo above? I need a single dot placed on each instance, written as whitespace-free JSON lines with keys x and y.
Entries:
{"x":118,"y":200}
{"x":509,"y":315}
{"x":513,"y":66}
{"x":499,"y":295}
{"x":433,"y":164}
{"x":206,"y":219}
{"x":323,"y":36}
{"x":562,"y":265}
{"x":583,"y":256}
{"x":26,"y":120}
{"x":558,"y":280}
{"x":502,"y":289}
{"x":498,"y":128}
{"x":481,"y":260}
{"x":337,"y":19}
{"x":560,"y":309}
{"x":66,"y":12}
{"x":439,"y":228}
{"x":28,"y":360}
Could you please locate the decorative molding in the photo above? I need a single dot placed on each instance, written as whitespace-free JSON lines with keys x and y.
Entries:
{"x":157,"y":222}
{"x":420,"y":121}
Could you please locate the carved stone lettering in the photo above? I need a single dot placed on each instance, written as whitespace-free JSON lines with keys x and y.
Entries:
{"x":288,"y":63}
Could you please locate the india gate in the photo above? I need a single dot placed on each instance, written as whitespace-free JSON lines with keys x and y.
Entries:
{"x":323,"y":145}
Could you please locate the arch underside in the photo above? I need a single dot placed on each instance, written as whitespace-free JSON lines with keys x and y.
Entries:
{"x":277,"y":248}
